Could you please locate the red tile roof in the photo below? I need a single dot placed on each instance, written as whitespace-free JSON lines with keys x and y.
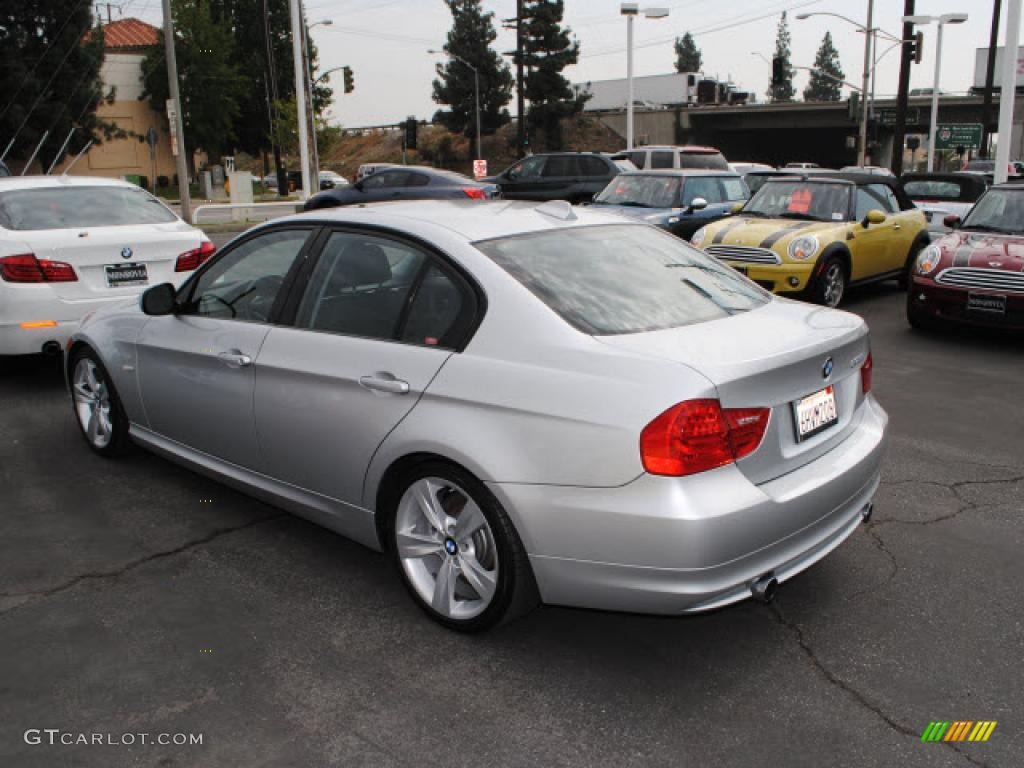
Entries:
{"x":129,"y":34}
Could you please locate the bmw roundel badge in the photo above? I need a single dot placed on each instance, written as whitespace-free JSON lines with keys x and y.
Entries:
{"x":826,"y":369}
{"x":126,"y":252}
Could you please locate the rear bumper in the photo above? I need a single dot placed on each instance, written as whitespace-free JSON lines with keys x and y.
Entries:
{"x":31,"y":316}
{"x":950,"y":305}
{"x":683,"y":545}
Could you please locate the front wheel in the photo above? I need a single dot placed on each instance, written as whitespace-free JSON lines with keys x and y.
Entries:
{"x":457,"y":550}
{"x":830,"y":285}
{"x":97,"y":407}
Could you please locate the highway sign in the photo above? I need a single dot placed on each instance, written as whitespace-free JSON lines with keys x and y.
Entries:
{"x":887,"y":116}
{"x":953,"y":135}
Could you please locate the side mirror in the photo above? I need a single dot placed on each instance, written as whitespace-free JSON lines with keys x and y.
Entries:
{"x":874,"y":216}
{"x":698,"y":204}
{"x":737,"y":207}
{"x":159,"y":300}
{"x":951,"y":220}
{"x":358,"y":185}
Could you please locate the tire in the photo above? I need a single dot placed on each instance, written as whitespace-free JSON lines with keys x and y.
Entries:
{"x":829,"y":287}
{"x":467,"y":583}
{"x":904,"y":279}
{"x":97,"y":408}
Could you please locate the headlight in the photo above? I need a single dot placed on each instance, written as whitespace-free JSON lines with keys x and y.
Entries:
{"x":803,"y":247}
{"x":928,"y":259}
{"x":697,"y":237}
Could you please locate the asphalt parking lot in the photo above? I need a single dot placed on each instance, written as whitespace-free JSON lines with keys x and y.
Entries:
{"x":138,"y":597}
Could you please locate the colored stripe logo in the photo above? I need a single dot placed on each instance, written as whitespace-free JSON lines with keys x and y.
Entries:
{"x":959,"y":730}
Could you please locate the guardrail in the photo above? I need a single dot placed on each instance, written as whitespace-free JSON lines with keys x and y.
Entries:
{"x":244,"y":209}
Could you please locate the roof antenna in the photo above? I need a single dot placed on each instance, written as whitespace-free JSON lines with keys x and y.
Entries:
{"x":557,"y":209}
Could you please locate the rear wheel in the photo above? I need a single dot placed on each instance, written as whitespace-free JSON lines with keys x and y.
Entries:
{"x":457,"y":550}
{"x":830,"y":285}
{"x":97,"y":407}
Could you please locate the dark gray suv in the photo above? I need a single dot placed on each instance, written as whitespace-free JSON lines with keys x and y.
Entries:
{"x":572,"y":176}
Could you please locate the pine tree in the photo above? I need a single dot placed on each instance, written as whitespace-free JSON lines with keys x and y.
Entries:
{"x":49,"y":78}
{"x":824,"y":84}
{"x":688,"y":58}
{"x":547,"y":50}
{"x":468,"y":46}
{"x":784,"y":90}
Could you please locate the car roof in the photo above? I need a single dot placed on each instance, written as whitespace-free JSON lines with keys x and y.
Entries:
{"x":679,"y":147}
{"x":1009,"y":185}
{"x":42,"y":182}
{"x":682,"y":172}
{"x":470,"y":219}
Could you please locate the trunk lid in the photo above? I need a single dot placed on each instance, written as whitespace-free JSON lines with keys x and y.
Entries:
{"x":771,"y":357}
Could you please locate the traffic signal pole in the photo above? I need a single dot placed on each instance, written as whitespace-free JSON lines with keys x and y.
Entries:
{"x":990,"y":74}
{"x":862,"y":143}
{"x":177,"y":129}
{"x":900,"y":129}
{"x":300,"y":101}
{"x":1008,"y":92}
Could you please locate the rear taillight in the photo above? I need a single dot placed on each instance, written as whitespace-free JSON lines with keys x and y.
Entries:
{"x":26,"y":268}
{"x":698,"y":435}
{"x":193,"y":259}
{"x":474,"y":192}
{"x":865,"y":373}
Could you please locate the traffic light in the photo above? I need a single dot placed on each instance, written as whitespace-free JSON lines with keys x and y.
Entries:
{"x":410,"y":133}
{"x":349,"y":84}
{"x":916,"y":47}
{"x":853,"y":107}
{"x":778,"y":71}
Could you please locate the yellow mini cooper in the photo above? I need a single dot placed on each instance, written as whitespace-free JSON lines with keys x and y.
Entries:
{"x":812,"y":237}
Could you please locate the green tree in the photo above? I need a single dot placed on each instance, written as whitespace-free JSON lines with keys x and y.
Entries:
{"x":49,"y":77}
{"x":783,"y":90}
{"x":824,"y":84}
{"x":688,"y":58}
{"x":468,"y":46}
{"x":211,"y":81}
{"x":547,"y":50}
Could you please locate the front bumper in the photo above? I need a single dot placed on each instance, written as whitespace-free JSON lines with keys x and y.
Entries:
{"x":682,"y":545}
{"x":785,"y":278}
{"x":944,"y":303}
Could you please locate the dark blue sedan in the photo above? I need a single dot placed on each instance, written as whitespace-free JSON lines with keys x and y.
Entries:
{"x":680,"y":201}
{"x":402,"y":182}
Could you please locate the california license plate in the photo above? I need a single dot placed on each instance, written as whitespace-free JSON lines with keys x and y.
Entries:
{"x":986,"y":302}
{"x":815,"y":413}
{"x":126,"y":274}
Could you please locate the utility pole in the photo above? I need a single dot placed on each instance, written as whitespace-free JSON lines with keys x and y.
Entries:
{"x":176,"y":130}
{"x":862,"y":143}
{"x":307,"y":94}
{"x":1008,"y":92}
{"x":273,"y":112}
{"x":990,"y":76}
{"x":300,"y":101}
{"x":900,"y":130}
{"x":520,"y":82}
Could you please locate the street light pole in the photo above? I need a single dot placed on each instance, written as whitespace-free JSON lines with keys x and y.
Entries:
{"x":309,"y":93}
{"x":476,"y":93}
{"x":300,"y":101}
{"x":862,"y":144}
{"x":1007,"y":95}
{"x":629,"y":10}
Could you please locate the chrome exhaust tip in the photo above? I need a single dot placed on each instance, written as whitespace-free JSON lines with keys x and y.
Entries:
{"x":763,"y":589}
{"x":867,"y":511}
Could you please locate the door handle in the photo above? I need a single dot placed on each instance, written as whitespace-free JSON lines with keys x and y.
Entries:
{"x":385,"y":382}
{"x":897,"y":226}
{"x":235,"y":359}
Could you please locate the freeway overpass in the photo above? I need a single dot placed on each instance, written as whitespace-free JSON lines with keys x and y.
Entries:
{"x":820,"y":132}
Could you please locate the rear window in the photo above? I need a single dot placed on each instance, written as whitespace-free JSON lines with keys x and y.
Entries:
{"x":79,"y":207}
{"x":712,"y":161}
{"x":934,"y":190}
{"x":615,"y":279}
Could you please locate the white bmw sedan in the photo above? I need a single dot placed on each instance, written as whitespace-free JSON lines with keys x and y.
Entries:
{"x":72,"y":244}
{"x":518,"y":403}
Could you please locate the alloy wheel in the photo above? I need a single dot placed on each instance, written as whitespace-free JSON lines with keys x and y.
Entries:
{"x":833,"y":284}
{"x":446,"y":548}
{"x":92,"y":403}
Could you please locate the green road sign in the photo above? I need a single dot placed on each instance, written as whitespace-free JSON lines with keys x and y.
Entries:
{"x":887,"y":116}
{"x":953,"y":135}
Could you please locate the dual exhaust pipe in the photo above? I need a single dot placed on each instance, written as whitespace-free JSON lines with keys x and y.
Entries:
{"x":764,"y":588}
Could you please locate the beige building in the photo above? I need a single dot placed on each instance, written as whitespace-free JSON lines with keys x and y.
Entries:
{"x":126,"y":44}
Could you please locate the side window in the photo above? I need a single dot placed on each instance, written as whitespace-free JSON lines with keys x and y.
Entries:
{"x":639,"y":159}
{"x":416,"y":180}
{"x":528,"y":168}
{"x":891,"y":203}
{"x":702,"y":186}
{"x":735,"y":189}
{"x":870,"y":198}
{"x":385,"y":179}
{"x":661,"y":159}
{"x":435,"y":311}
{"x":560,"y":165}
{"x":244,"y":282}
{"x":359,"y":286}
{"x":594,"y":166}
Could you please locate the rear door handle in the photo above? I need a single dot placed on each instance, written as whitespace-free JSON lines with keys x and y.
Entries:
{"x":385,"y":383}
{"x":235,"y":359}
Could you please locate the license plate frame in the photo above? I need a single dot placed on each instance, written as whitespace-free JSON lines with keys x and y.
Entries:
{"x":805,"y":406}
{"x":987,"y":303}
{"x":120,"y":275}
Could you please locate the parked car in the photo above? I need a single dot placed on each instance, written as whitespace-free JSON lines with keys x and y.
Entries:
{"x":975,"y":274}
{"x":814,"y":236}
{"x":802,"y":165}
{"x":940,"y":194}
{"x":677,"y":201}
{"x":875,"y":170}
{"x":743,"y":168}
{"x":403,"y":183}
{"x":512,"y":401}
{"x":572,"y":176}
{"x":72,"y":244}
{"x":664,"y":157}
{"x":330,"y":180}
{"x":270,"y":180}
{"x":987,"y":168}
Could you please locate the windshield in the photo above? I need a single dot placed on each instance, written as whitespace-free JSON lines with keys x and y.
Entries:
{"x":811,"y":201}
{"x":643,"y":191}
{"x":619,"y":278}
{"x":80,"y":207}
{"x":999,"y":210}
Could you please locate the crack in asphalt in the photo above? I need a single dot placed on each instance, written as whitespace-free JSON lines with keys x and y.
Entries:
{"x":876,"y":537}
{"x":954,"y":488}
{"x":217,"y":533}
{"x":856,"y":695}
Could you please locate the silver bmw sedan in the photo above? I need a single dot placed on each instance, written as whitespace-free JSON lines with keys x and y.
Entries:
{"x":518,"y":403}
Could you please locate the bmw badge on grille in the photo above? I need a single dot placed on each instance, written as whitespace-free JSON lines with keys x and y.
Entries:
{"x":126,"y":253}
{"x":826,"y":369}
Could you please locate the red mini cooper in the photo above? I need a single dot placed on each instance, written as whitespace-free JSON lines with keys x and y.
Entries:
{"x":975,"y":274}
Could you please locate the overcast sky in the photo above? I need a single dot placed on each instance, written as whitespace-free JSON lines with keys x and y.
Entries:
{"x":386,"y":41}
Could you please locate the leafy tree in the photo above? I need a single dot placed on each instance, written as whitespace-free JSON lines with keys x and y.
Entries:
{"x":49,"y":77}
{"x":468,"y":45}
{"x":824,"y":84}
{"x":547,"y":50}
{"x":688,"y":58}
{"x":783,"y":90}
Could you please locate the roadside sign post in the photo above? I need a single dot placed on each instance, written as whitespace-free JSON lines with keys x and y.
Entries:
{"x":953,"y":135}
{"x":479,"y":169}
